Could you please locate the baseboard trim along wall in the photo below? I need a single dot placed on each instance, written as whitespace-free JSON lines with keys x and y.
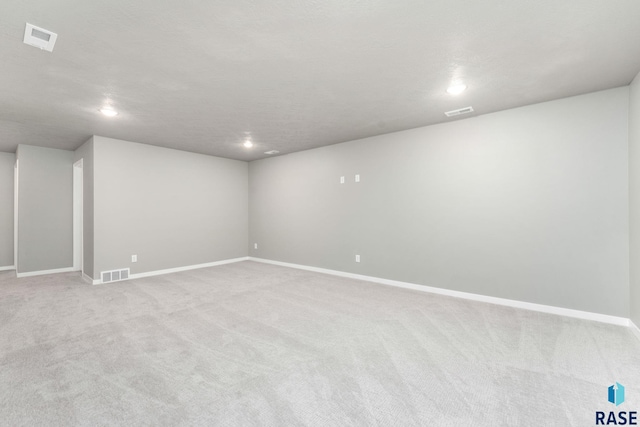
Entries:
{"x":43,"y":272}
{"x":176,"y":269}
{"x":634,"y":329}
{"x":604,"y":318}
{"x":8,"y":267}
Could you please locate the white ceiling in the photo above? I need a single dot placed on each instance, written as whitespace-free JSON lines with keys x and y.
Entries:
{"x":197,"y":75}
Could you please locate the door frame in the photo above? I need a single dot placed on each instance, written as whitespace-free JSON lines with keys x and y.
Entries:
{"x":16,"y":175}
{"x":78,"y":220}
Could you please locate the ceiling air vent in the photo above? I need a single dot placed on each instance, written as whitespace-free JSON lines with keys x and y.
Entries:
{"x":271,"y":152}
{"x":453,"y":113}
{"x":39,"y":37}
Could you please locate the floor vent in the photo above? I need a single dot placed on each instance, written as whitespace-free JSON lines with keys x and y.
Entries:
{"x":115,"y":275}
{"x":465,"y":110}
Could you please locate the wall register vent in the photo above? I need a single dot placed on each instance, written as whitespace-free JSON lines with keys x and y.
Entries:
{"x":453,"y":113}
{"x":115,"y":275}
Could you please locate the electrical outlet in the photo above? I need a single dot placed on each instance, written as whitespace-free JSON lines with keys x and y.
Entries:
{"x":357,"y":258}
{"x":134,"y":258}
{"x":255,"y":246}
{"x":342,"y":180}
{"x":357,"y":178}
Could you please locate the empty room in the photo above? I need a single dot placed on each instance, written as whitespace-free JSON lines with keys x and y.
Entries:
{"x":339,"y":213}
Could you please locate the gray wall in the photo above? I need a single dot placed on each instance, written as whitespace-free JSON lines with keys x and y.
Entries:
{"x":45,"y":209}
{"x":7,"y":162}
{"x":634,"y":198}
{"x":169,"y":207}
{"x":529,"y":204}
{"x":85,"y":152}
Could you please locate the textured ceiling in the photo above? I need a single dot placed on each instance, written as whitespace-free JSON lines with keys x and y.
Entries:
{"x":198,"y":76}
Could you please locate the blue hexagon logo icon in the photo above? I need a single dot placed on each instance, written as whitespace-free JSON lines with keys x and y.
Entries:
{"x":616,"y":393}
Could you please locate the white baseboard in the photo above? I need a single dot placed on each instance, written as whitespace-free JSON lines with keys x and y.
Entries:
{"x":177,"y":269}
{"x":43,"y":272}
{"x":87,"y":279}
{"x":634,"y":328}
{"x":8,"y":267}
{"x":604,"y":318}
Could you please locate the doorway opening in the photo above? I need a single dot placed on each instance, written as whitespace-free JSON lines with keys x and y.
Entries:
{"x":16,"y":175}
{"x":78,"y":241}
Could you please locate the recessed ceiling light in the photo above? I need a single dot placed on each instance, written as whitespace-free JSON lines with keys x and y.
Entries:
{"x":108,"y":111}
{"x":456,"y":89}
{"x":248,"y":143}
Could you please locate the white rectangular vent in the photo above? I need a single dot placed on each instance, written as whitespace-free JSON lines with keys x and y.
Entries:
{"x":39,"y":37}
{"x":115,"y":275}
{"x":271,"y":152}
{"x":465,"y":110}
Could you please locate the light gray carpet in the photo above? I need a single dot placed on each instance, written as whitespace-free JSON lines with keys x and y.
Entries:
{"x":254,"y":344}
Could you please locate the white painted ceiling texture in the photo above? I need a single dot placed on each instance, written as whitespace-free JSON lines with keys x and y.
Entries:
{"x":201,"y":75}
